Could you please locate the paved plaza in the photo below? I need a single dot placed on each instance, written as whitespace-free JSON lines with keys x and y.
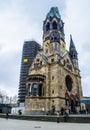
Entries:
{"x":13,"y":124}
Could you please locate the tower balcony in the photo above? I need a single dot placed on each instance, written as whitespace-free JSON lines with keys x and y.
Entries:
{"x":36,"y":77}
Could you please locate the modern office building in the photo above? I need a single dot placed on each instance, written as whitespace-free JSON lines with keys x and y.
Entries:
{"x":30,"y":49}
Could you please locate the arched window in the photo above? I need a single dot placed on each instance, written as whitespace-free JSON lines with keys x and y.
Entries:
{"x":67,"y":60}
{"x":52,"y":60}
{"x":46,"y":51}
{"x":55,"y":38}
{"x":30,"y":89}
{"x":40,"y":90}
{"x":34,"y":89}
{"x":54,"y":25}
{"x":64,"y":62}
{"x":48,"y":26}
{"x":74,"y":55}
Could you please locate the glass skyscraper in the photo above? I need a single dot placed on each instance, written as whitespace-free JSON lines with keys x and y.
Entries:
{"x":30,"y":49}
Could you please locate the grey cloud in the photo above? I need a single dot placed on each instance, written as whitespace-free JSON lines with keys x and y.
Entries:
{"x":86,"y":47}
{"x":9,"y":68}
{"x":1,"y":46}
{"x":4,"y":4}
{"x":25,"y":7}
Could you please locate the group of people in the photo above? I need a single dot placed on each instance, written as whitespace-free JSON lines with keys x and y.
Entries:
{"x":64,"y":113}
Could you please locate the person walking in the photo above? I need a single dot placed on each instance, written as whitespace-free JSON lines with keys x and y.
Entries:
{"x":66,"y":115}
{"x":58,"y":117}
{"x":7,"y":115}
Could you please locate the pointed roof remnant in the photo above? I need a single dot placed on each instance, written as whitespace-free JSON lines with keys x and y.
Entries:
{"x":72,"y":50}
{"x":53,"y":12}
{"x":72,"y":46}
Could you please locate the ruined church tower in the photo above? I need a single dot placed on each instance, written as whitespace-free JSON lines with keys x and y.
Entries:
{"x":53,"y":79}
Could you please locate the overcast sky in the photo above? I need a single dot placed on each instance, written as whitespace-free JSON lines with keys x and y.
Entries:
{"x":22,"y":20}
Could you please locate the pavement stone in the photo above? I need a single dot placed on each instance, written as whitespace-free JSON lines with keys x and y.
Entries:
{"x":14,"y":124}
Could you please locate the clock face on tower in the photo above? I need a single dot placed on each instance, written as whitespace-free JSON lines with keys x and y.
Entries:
{"x":54,"y":37}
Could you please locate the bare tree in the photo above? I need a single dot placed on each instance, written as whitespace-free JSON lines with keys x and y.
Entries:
{"x":15,"y":98}
{"x":4,"y":98}
{"x":1,"y":96}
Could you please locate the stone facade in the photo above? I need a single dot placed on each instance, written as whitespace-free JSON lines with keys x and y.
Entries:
{"x":54,"y":79}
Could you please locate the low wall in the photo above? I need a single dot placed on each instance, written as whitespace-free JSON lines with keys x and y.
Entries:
{"x":70,"y":119}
